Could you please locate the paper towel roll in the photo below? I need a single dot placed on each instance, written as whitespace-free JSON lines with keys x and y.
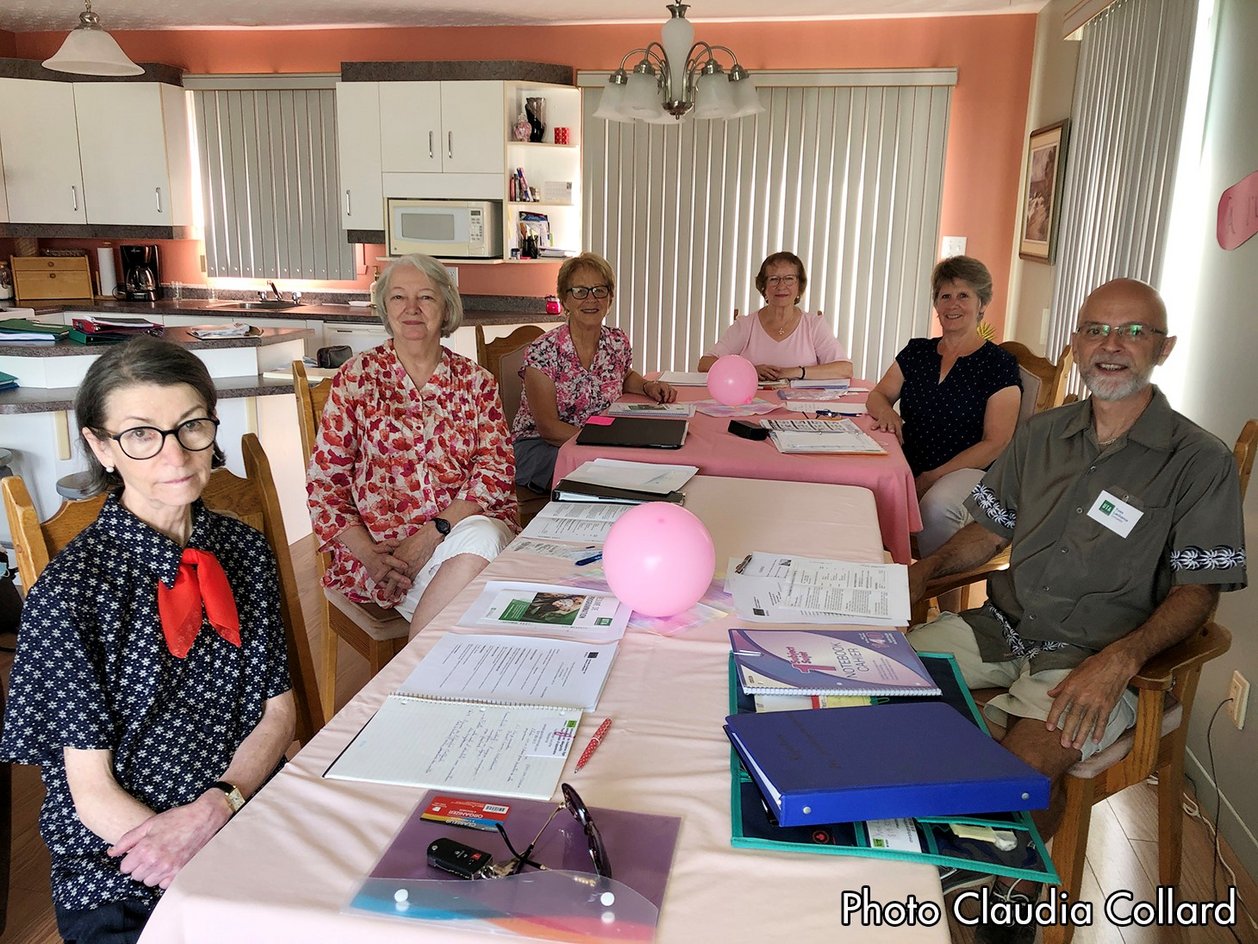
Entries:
{"x":105,"y":266}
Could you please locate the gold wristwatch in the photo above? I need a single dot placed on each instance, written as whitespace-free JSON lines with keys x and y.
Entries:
{"x":235,"y":799}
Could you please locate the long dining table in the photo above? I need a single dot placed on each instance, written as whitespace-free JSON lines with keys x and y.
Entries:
{"x":715,"y":451}
{"x":286,"y":865}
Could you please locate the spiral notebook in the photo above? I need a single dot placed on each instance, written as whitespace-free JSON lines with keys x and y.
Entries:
{"x":482,"y":714}
{"x":828,"y":662}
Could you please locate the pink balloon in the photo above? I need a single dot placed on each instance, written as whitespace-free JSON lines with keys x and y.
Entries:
{"x":659,"y":559}
{"x":732,"y":380}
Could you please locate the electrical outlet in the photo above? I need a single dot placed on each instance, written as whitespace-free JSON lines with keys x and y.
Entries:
{"x":1238,"y":691}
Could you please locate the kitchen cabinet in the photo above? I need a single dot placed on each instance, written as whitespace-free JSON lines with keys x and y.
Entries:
{"x":358,"y":153}
{"x":133,"y":144}
{"x":442,"y":127}
{"x":103,"y":153}
{"x":39,"y":147}
{"x":546,"y":163}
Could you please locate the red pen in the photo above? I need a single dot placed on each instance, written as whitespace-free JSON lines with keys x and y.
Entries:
{"x":594,"y":743}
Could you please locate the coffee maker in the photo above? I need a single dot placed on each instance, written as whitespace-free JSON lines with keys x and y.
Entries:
{"x":141,"y":275}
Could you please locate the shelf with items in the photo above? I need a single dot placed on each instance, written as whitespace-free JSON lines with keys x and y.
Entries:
{"x":546,"y":173}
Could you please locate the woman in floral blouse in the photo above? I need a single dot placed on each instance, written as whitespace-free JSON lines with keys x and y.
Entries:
{"x":410,"y":482}
{"x":574,"y":371}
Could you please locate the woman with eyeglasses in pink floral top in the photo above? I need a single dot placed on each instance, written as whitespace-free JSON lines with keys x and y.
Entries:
{"x":574,"y":371}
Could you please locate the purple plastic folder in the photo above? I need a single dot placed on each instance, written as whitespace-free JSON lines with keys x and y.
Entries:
{"x":569,"y":901}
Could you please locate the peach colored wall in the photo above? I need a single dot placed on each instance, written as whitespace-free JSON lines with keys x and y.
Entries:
{"x":992,"y":55}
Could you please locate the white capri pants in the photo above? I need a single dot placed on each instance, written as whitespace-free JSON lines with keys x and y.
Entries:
{"x":476,"y":534}
{"x":943,"y":509}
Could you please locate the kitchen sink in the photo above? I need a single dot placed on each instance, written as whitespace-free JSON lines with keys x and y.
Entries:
{"x":269,"y":304}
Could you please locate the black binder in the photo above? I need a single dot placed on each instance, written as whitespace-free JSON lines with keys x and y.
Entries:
{"x":642,"y":432}
{"x":571,"y":490}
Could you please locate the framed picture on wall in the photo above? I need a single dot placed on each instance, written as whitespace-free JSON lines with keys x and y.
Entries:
{"x":1046,"y":164}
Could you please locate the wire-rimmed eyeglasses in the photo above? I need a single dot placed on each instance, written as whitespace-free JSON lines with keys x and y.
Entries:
{"x":581,"y":292}
{"x":1131,"y":331}
{"x":145,"y":442}
{"x":573,"y":803}
{"x":781,"y":280}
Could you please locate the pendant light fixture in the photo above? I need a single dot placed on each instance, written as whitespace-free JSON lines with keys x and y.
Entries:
{"x":676,"y":76}
{"x":89,"y":50}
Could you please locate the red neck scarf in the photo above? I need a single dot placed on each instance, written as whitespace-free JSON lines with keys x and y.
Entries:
{"x":200,"y":582}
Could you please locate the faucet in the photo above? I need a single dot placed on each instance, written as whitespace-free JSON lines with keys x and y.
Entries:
{"x":276,"y":291}
{"x":277,"y":295}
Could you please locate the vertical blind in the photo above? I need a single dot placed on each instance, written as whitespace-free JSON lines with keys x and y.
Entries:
{"x":269,"y":182}
{"x":843,"y":169}
{"x":1130,"y":91}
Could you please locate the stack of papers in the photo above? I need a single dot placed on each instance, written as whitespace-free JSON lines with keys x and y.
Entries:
{"x":784,"y":588}
{"x":26,"y":331}
{"x":578,"y":522}
{"x":780,"y":663}
{"x":549,"y":610}
{"x":684,"y":410}
{"x":839,"y":437}
{"x":835,"y":385}
{"x":624,"y":482}
{"x":217,"y":332}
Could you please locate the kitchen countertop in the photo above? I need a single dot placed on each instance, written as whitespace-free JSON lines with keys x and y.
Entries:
{"x":49,"y":399}
{"x":478,"y":309}
{"x":67,"y":348}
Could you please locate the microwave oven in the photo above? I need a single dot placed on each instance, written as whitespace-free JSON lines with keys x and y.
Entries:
{"x":449,"y":229}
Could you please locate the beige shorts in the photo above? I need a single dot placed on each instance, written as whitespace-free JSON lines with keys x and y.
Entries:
{"x":1027,"y":695}
{"x":476,"y":534}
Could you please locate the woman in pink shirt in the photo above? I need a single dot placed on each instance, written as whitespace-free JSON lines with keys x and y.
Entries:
{"x":780,"y":339}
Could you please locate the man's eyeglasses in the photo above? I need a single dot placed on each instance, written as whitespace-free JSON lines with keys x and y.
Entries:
{"x":1132,"y":331}
{"x":781,"y":280}
{"x":573,"y":803}
{"x":580,"y":292}
{"x":145,"y":442}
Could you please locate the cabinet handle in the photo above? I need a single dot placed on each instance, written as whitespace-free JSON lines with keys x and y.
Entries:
{"x":430,"y":154}
{"x":348,"y":211}
{"x":158,"y":193}
{"x":74,"y":192}
{"x":450,"y":144}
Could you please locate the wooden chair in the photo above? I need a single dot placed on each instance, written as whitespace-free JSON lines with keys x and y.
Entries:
{"x":252,"y":499}
{"x":372,"y":631}
{"x":1047,"y":378}
{"x":1166,"y":686}
{"x":503,"y":357}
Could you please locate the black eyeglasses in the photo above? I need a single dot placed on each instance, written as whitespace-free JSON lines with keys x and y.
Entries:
{"x":573,"y":803}
{"x":145,"y":442}
{"x":580,"y":292}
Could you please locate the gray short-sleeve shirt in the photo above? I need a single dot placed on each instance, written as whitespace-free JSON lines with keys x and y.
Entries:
{"x":1064,"y":501}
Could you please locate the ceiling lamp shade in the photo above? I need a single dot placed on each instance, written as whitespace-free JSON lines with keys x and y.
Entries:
{"x":89,"y":50}
{"x":676,"y":77}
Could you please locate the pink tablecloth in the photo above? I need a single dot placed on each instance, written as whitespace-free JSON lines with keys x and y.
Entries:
{"x":281,"y":871}
{"x":716,"y":451}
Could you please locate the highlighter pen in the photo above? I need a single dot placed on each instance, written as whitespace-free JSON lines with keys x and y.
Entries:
{"x":590,"y":560}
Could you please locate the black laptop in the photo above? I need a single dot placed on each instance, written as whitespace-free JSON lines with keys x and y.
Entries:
{"x":642,"y":432}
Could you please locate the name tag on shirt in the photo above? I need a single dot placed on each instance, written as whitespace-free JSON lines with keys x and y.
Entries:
{"x":1115,"y":513}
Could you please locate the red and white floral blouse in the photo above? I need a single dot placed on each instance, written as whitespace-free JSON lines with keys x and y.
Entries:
{"x":391,"y":457}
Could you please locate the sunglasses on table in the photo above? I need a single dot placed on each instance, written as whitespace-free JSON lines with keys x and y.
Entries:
{"x":573,"y":803}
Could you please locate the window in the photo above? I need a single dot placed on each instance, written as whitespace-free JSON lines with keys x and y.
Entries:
{"x":843,"y":169}
{"x":269,"y":182}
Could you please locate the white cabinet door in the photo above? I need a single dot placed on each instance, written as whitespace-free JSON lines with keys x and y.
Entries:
{"x":474,"y":127}
{"x":39,"y":142}
{"x":133,"y":139}
{"x":411,"y":138}
{"x":358,"y":153}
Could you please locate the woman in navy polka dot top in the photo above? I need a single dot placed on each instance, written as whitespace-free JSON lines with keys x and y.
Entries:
{"x":959,"y":397}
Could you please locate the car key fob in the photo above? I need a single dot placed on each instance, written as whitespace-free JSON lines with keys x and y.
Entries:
{"x":456,"y":858}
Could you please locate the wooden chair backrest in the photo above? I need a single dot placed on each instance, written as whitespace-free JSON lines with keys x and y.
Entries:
{"x":311,"y":399}
{"x":252,"y":499}
{"x":1246,"y":446}
{"x":1037,"y":367}
{"x":502,"y":357}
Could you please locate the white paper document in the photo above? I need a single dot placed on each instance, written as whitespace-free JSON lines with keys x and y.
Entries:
{"x":513,"y":670}
{"x":580,"y":522}
{"x":555,"y":549}
{"x":842,"y":437}
{"x":651,"y":409}
{"x":684,"y":378}
{"x":781,"y":588}
{"x":659,"y":479}
{"x":564,"y":612}
{"x":504,"y":751}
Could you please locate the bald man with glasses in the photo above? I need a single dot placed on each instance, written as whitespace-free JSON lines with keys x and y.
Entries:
{"x":1124,"y":520}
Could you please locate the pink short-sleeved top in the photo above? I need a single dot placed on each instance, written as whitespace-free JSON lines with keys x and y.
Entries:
{"x":579,"y":393}
{"x":809,"y":344}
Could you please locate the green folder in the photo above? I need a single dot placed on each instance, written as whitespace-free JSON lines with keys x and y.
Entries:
{"x":38,"y":327}
{"x":752,"y":826}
